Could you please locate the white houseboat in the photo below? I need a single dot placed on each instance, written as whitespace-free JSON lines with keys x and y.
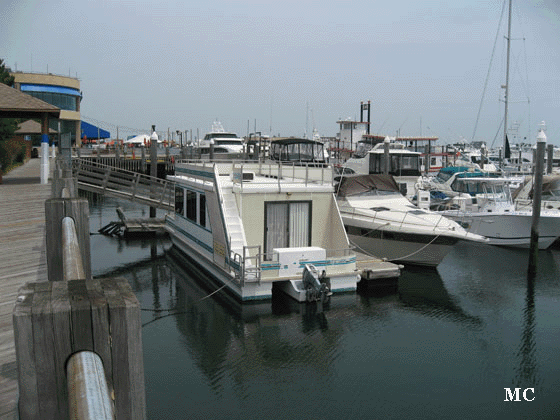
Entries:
{"x":253,"y":226}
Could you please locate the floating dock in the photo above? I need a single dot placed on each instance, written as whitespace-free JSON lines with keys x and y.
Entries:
{"x":136,"y":226}
{"x":376,"y":271}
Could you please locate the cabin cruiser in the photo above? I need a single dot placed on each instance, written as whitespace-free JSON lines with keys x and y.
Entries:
{"x":379,"y":220}
{"x":227,"y":145}
{"x":485,"y":207}
{"x":251,"y":226}
{"x":404,"y":165}
{"x":448,"y":182}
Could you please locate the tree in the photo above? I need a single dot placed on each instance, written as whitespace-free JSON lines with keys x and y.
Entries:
{"x":8,"y":126}
{"x":5,"y":76}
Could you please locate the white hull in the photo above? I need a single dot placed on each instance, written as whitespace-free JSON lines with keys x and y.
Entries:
{"x":404,"y":251}
{"x":250,"y":291}
{"x":512,"y":229}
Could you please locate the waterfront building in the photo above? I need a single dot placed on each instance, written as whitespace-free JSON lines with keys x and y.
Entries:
{"x":61,"y":91}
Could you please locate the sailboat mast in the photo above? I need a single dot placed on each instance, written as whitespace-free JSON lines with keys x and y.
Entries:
{"x":506,"y":86}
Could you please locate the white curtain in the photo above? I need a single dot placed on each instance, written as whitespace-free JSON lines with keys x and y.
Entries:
{"x":299,"y":224}
{"x":276,"y":226}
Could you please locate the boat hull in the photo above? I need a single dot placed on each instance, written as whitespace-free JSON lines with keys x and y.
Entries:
{"x":406,"y":248}
{"x":221,"y":276}
{"x":512,"y":230}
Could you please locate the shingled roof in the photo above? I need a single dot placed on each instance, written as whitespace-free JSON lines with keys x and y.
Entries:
{"x":15,"y":104}
{"x":32,"y":127}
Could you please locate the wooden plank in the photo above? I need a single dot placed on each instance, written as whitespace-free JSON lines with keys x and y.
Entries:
{"x":100,"y":327}
{"x":61,"y":311}
{"x":43,"y":348}
{"x":119,"y":350}
{"x":80,"y":318}
{"x":27,"y":372}
{"x":135,"y":354}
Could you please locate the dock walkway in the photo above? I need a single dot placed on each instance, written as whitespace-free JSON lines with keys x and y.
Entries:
{"x":22,"y":260}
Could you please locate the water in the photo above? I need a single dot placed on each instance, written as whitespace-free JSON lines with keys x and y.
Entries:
{"x":439,"y":345}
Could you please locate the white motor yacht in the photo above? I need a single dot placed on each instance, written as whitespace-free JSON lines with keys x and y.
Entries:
{"x":379,"y":220}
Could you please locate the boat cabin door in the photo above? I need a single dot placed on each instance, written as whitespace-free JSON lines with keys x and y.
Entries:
{"x":287,"y":225}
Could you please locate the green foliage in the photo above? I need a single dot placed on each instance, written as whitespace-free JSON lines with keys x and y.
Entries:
{"x":5,"y":76}
{"x":9,"y":152}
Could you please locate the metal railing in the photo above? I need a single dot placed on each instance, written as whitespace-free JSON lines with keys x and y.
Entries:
{"x":88,"y":392}
{"x":376,"y":218}
{"x":133,"y":186}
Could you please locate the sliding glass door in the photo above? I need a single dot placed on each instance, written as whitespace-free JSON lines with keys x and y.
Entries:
{"x":287,"y":224}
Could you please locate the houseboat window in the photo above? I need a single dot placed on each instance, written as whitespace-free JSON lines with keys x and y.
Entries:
{"x":287,"y":225}
{"x":191,"y":205}
{"x":202,"y":210}
{"x":179,"y":201}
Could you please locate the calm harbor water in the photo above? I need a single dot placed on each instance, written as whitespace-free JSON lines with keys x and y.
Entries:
{"x":441,"y":344}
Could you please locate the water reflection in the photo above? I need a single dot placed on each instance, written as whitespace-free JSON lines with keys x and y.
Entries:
{"x":438,"y":342}
{"x":527,"y":373}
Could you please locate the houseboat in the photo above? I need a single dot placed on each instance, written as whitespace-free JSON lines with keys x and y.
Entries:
{"x":258,"y":227}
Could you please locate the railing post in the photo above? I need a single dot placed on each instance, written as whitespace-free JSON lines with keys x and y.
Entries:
{"x":56,"y":209}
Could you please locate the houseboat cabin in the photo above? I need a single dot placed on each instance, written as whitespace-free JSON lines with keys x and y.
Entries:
{"x":253,"y":226}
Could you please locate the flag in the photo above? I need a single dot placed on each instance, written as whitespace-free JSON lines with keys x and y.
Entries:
{"x":507,"y":153}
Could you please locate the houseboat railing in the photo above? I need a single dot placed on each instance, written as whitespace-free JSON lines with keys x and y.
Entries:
{"x":243,"y":270}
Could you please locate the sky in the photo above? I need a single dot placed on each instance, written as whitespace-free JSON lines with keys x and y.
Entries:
{"x":429,"y":68}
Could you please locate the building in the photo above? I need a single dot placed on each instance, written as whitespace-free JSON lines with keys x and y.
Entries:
{"x":29,"y":135}
{"x":61,"y":91}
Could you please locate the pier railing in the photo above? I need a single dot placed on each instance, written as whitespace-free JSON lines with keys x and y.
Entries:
{"x":56,"y":321}
{"x":120,"y":183}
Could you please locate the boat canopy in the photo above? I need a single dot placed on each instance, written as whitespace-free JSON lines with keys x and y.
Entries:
{"x":360,"y":184}
{"x":294,"y":149}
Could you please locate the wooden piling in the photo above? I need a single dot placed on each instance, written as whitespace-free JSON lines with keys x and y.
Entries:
{"x":537,"y":188}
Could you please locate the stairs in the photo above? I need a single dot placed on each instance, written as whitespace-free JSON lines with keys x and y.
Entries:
{"x":234,"y":224}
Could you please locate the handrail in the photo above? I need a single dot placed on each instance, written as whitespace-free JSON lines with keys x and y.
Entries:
{"x":88,"y":392}
{"x":72,"y":266}
{"x":128,"y":184}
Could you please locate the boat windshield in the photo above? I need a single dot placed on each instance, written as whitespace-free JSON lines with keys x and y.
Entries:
{"x":442,"y":177}
{"x":362,"y":149}
{"x":498,"y":192}
{"x":236,"y":142}
{"x":210,"y":136}
{"x":376,"y":192}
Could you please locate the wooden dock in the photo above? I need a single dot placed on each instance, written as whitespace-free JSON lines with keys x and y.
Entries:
{"x":22,"y":260}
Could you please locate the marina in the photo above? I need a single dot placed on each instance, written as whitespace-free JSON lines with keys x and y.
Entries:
{"x":457,"y":335}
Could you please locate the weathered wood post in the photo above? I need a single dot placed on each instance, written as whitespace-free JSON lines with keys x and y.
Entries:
{"x":57,"y":209}
{"x":143,"y":164}
{"x":537,"y":188}
{"x":54,"y":320}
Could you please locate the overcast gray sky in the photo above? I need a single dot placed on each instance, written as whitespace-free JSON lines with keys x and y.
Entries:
{"x":294,"y":65}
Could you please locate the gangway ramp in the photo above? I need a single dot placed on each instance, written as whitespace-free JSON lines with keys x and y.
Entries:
{"x":120,"y":183}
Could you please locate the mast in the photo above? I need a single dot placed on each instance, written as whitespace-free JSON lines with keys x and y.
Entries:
{"x":506,"y":86}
